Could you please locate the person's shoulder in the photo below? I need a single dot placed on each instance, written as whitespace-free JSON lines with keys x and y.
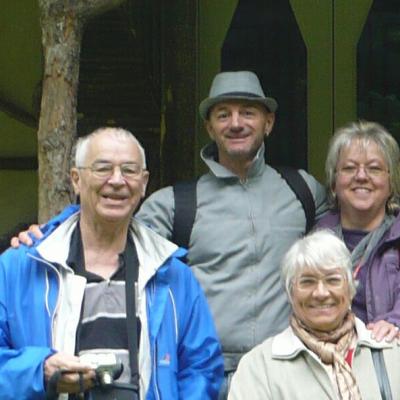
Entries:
{"x":13,"y":260}
{"x":311,"y":181}
{"x":156,"y":211}
{"x":395,"y":228}
{"x":180,"y":275}
{"x":178,"y":266}
{"x":164,"y":193}
{"x":259,"y":356}
{"x":318,"y":192}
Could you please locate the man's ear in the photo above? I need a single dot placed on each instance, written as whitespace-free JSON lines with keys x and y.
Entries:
{"x":145,"y":181}
{"x":269,"y":123}
{"x":75,"y":180}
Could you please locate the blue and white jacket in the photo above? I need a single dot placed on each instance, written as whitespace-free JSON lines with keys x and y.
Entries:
{"x":40,"y":304}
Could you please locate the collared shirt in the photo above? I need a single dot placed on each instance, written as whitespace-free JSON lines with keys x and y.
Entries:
{"x":103,"y":325}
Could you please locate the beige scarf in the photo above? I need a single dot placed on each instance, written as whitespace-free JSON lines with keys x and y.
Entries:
{"x":331,"y":348}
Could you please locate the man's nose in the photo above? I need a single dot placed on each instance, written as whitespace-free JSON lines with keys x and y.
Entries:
{"x":116,"y":178}
{"x":236,"y":120}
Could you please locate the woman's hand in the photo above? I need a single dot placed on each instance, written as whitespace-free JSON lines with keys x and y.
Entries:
{"x":383,"y":330}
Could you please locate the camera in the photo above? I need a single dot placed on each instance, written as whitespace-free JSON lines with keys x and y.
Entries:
{"x":108,"y":368}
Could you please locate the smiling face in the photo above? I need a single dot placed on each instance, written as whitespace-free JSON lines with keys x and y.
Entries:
{"x":238,"y":127}
{"x":113,"y":198}
{"x":321,"y":298}
{"x":363,"y":192}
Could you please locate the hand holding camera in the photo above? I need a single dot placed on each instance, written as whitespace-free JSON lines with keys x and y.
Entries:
{"x":68,"y":373}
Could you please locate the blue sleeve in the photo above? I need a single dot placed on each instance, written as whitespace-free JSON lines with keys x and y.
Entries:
{"x":21,"y":372}
{"x":21,"y":369}
{"x":201,"y":366}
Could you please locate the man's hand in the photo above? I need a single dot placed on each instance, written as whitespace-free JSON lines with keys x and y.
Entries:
{"x":69,"y":381}
{"x":24,"y":238}
{"x":383,"y":330}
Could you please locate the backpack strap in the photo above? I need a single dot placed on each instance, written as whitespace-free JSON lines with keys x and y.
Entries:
{"x":185,"y":197}
{"x":303,"y":193}
{"x":132,"y":319}
{"x":381,"y":374}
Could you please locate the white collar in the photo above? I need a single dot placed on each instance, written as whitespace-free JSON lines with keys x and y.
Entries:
{"x":152,"y":249}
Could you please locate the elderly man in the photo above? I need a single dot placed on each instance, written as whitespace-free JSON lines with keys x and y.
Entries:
{"x":247,"y":217}
{"x":104,"y":282}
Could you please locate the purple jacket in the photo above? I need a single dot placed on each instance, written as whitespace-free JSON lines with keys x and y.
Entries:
{"x":383,"y":275}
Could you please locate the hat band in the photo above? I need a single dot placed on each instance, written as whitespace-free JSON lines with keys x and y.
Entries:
{"x":242,"y":94}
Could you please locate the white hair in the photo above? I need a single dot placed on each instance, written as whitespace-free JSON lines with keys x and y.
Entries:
{"x":82,"y":144}
{"x":320,"y":250}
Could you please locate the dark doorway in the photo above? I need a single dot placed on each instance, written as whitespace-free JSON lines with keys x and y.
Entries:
{"x":264,"y":37}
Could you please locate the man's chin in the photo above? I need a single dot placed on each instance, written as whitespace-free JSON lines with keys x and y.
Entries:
{"x":115,"y":216}
{"x":241,"y":154}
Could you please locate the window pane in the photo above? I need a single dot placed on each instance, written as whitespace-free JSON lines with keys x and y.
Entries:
{"x":378,"y":62}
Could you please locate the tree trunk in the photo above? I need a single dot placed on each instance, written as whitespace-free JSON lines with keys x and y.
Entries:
{"x":62,"y":24}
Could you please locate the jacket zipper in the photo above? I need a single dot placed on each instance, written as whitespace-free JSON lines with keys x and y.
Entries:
{"x":59,"y":291}
{"x":155,"y":353}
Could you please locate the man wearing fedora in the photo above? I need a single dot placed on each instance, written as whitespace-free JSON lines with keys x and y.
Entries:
{"x":247,"y":217}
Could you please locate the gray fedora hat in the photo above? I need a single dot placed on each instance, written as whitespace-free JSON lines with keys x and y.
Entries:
{"x":236,"y":85}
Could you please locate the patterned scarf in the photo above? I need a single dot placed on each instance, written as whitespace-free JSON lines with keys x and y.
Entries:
{"x":368,"y":244}
{"x":331,"y":348}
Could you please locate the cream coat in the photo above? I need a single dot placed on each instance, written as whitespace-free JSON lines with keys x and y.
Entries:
{"x":282,"y":368}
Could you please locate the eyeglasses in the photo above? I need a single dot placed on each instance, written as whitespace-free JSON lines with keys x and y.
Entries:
{"x":105,"y":170}
{"x":373,"y":171}
{"x":310,"y":283}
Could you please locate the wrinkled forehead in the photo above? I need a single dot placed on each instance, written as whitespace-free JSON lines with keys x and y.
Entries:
{"x":111,"y":147}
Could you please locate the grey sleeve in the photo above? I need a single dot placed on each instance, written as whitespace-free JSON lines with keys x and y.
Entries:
{"x":319,"y":193}
{"x":157,"y":212}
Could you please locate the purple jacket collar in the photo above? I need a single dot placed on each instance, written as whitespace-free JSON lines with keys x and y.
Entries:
{"x":331,"y":219}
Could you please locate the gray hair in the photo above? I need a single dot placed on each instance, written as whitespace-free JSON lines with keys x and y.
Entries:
{"x":320,"y":250}
{"x":82,"y":144}
{"x":365,"y":132}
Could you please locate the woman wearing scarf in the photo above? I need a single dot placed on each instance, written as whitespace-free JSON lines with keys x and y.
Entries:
{"x":326,"y":352}
{"x":363,"y":183}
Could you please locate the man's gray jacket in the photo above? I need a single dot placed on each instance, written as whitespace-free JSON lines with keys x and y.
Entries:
{"x":241,"y":232}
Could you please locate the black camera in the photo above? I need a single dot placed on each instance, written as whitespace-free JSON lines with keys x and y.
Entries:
{"x":108,"y":369}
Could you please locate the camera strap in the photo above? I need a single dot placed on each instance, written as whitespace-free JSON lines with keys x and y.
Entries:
{"x":132,"y":272}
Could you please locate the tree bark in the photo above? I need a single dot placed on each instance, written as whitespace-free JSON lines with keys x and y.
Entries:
{"x":62,"y":24}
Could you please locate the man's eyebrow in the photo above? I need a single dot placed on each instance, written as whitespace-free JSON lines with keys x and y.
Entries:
{"x":219,"y":108}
